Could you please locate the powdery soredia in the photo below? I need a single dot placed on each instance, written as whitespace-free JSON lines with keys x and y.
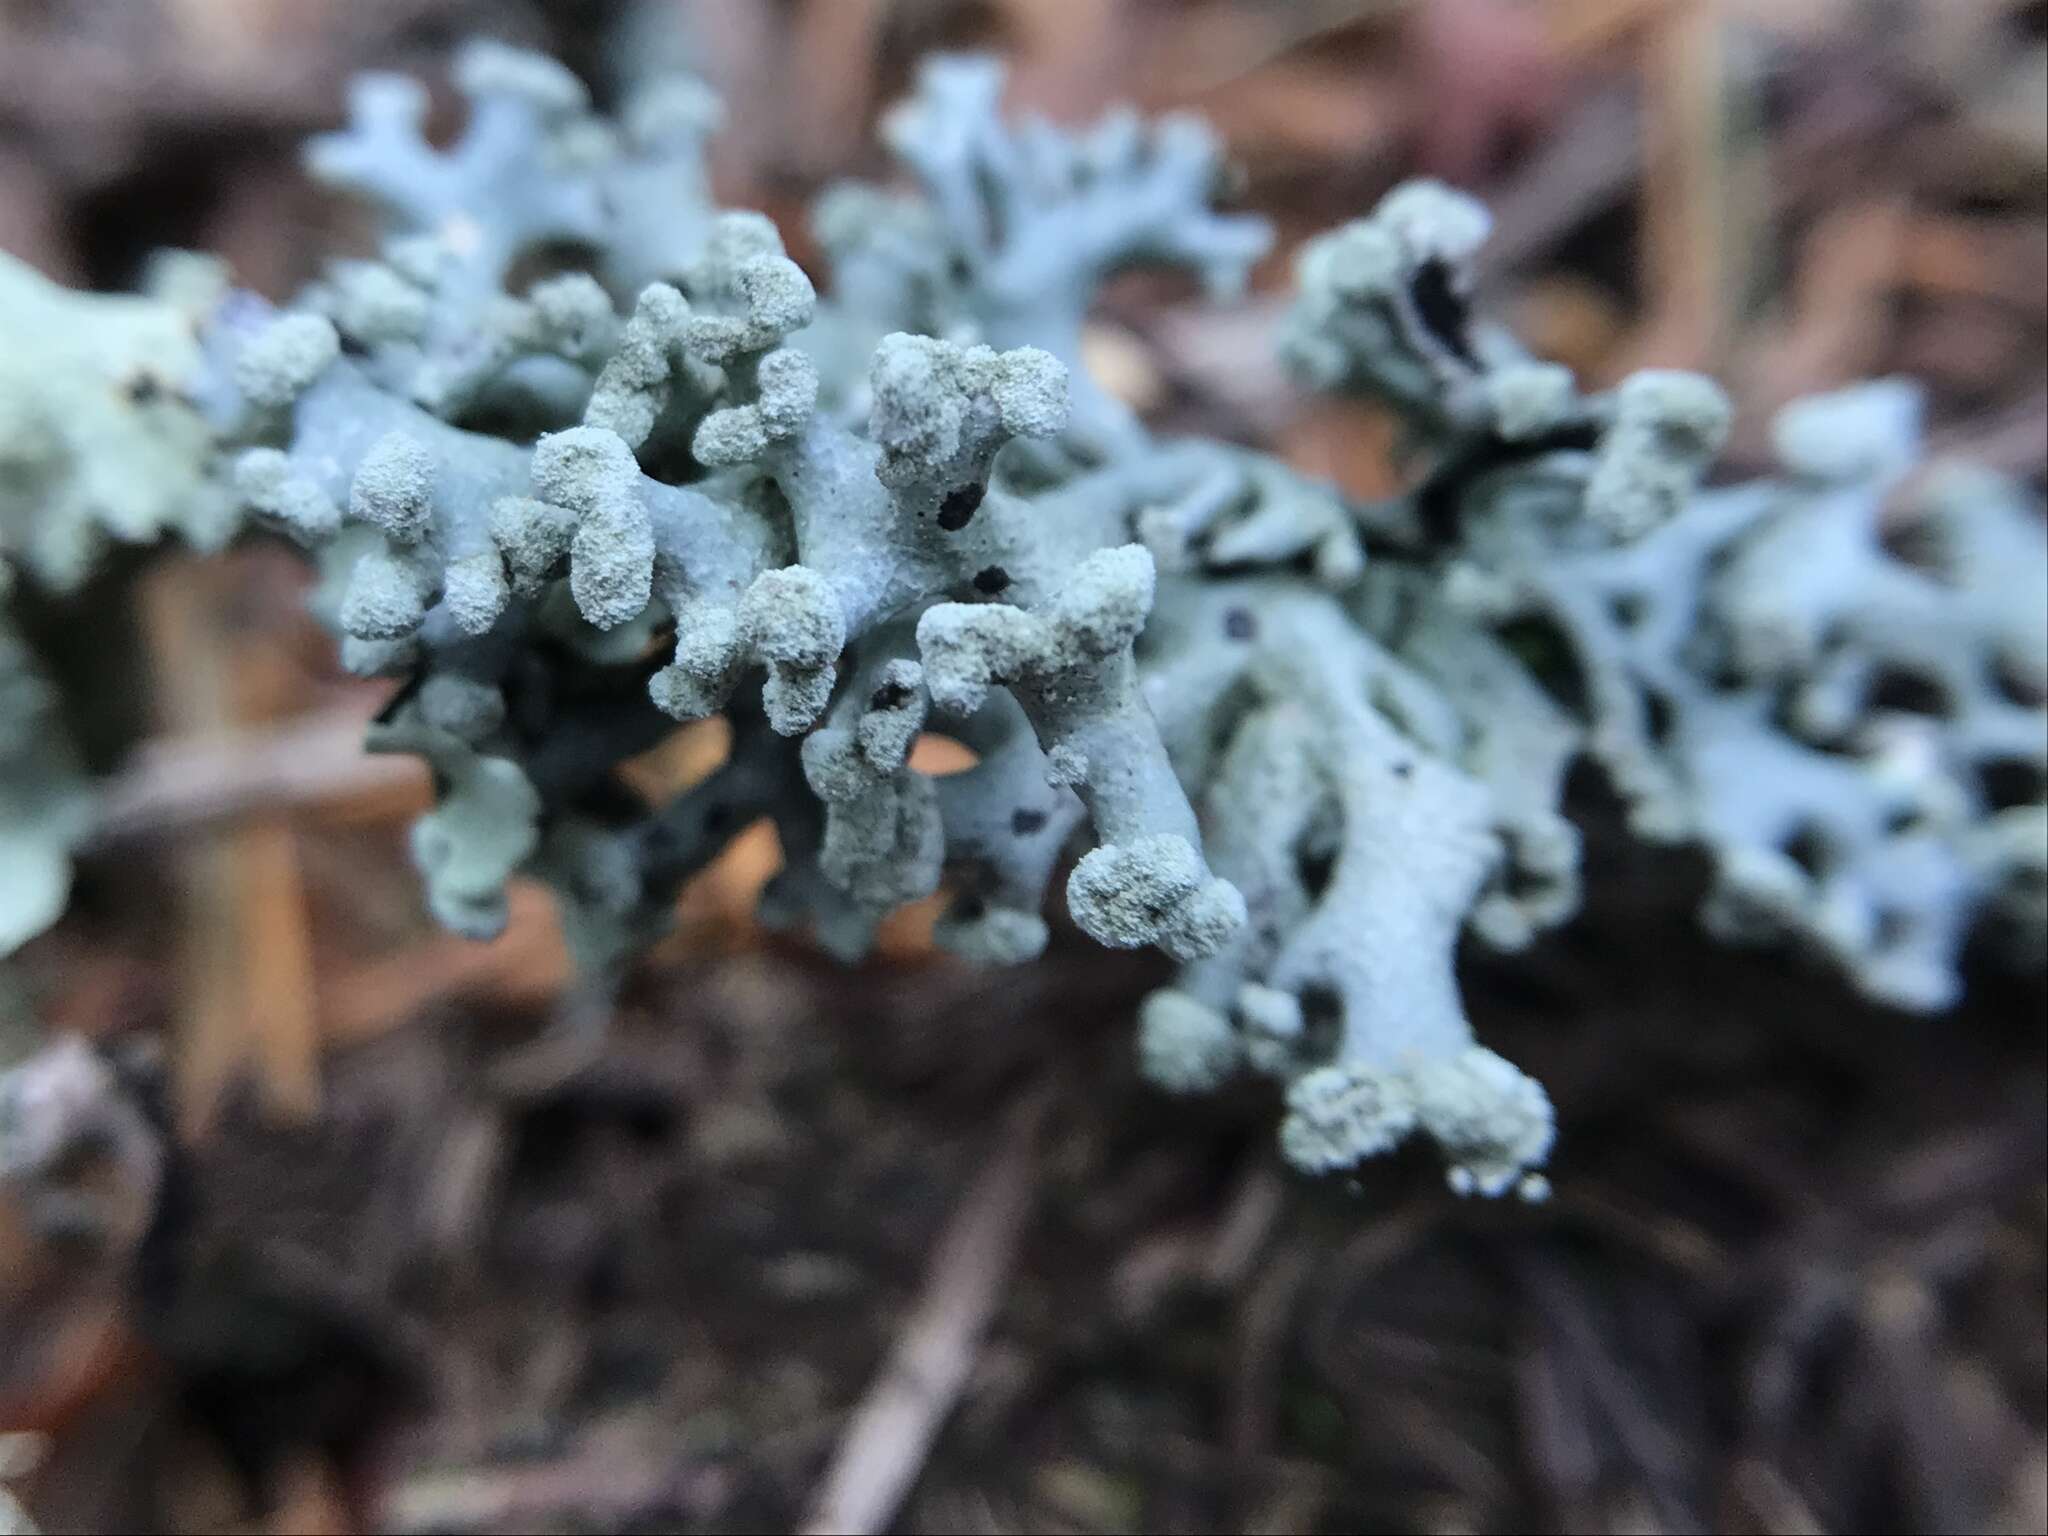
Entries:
{"x":1298,"y":744}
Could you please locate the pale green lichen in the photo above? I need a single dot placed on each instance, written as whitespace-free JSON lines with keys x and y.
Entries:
{"x":1275,"y":733}
{"x":100,"y":442}
{"x":1306,"y":764}
{"x":101,"y":445}
{"x":280,"y":361}
{"x":45,"y":799}
{"x":1184,"y":1046}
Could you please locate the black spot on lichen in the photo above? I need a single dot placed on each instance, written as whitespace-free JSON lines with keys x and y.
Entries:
{"x":1239,"y":624}
{"x":889,"y":696}
{"x":1443,"y":309}
{"x":960,"y":504}
{"x":1440,"y":500}
{"x":1518,"y":881}
{"x":1314,"y":867}
{"x":991,"y":579}
{"x":1808,"y":848}
{"x":1025,"y":821}
{"x":1403,"y":769}
{"x":1659,"y":719}
{"x":1908,"y":692}
{"x":2010,"y":782}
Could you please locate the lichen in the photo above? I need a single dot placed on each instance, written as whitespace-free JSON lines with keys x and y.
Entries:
{"x":1301,"y":744}
{"x":1832,"y":681}
{"x":101,"y":446}
{"x":100,"y":442}
{"x":45,"y":797}
{"x":1279,"y":736}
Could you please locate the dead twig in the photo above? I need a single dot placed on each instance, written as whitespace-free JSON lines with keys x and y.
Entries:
{"x":899,"y":1418}
{"x":183,"y":784}
{"x":1259,"y":1349}
{"x":1686,"y":173}
{"x":525,"y":967}
{"x":1254,"y":1208}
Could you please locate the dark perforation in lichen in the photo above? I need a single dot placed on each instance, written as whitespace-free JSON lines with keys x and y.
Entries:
{"x":509,"y":414}
{"x":1627,"y":609}
{"x":2009,"y":782}
{"x":960,"y":505}
{"x":546,"y":259}
{"x":1787,"y":696}
{"x":1440,"y":500}
{"x":2015,"y":686}
{"x":1909,"y":692}
{"x":669,"y":455}
{"x":1903,"y":819}
{"x":1919,"y":541}
{"x":1550,"y":659}
{"x":1516,"y":880}
{"x":1714,"y":660}
{"x":889,"y":696}
{"x":1026,"y":821}
{"x":1444,"y":309}
{"x":1659,"y":718}
{"x":1240,"y":624}
{"x":1807,"y":846}
{"x":991,"y":580}
{"x":1322,"y":1022}
{"x":1315,"y":861}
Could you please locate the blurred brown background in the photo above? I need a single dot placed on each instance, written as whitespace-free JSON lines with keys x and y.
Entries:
{"x":1792,"y":1279}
